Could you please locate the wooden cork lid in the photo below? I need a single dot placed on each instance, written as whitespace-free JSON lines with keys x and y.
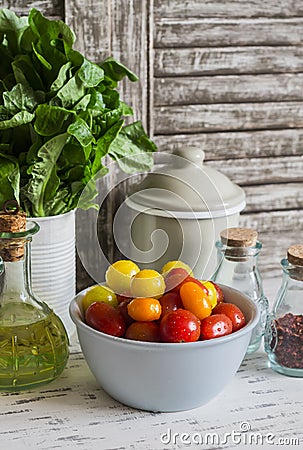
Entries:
{"x":12,"y":220}
{"x":239,"y":237}
{"x":295,"y":254}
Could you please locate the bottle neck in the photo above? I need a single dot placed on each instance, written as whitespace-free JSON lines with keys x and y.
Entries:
{"x":15,"y":278}
{"x":238,"y":268}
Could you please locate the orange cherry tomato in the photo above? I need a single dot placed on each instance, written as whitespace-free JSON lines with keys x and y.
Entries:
{"x":144,"y":309}
{"x":195,"y":299}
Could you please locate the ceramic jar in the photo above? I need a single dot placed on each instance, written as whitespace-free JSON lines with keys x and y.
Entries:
{"x":179,"y":210}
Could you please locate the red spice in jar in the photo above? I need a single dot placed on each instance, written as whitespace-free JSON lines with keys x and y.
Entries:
{"x":287,"y":340}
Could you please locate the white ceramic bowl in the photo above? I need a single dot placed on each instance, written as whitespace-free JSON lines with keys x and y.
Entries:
{"x":164,"y":376}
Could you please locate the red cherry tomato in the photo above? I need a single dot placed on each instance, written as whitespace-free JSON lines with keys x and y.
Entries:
{"x":233,"y":312}
{"x":123,"y":298}
{"x":122,"y":307}
{"x":143,"y":331}
{"x":180,"y":326}
{"x":215,"y":326}
{"x":104,"y":317}
{"x":170,"y":302}
{"x":174,"y":279}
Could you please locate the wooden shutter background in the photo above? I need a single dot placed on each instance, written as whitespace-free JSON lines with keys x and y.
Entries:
{"x":224,"y":76}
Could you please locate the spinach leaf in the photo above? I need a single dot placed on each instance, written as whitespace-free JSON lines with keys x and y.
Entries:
{"x":18,"y":119}
{"x":132,"y":149}
{"x":9,"y":178}
{"x":81,"y":131}
{"x":51,"y":119}
{"x":42,"y":171}
{"x":117,"y":71}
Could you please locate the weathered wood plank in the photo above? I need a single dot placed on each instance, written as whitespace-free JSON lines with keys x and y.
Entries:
{"x":274,"y":249}
{"x":277,"y":231}
{"x":219,"y":117}
{"x":228,"y":60}
{"x":129,"y":44}
{"x":275,"y":221}
{"x":253,"y":171}
{"x":244,"y":144}
{"x":227,"y":32}
{"x":231,"y":8}
{"x":228,"y":89}
{"x":50,"y":8}
{"x":90,"y":21}
{"x":272,"y":197}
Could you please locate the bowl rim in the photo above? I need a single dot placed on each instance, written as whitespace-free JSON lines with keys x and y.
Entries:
{"x":76,"y":313}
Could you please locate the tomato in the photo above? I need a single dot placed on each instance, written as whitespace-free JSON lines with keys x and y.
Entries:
{"x":118,"y":276}
{"x":174,"y":279}
{"x":195,"y":299}
{"x":143,"y":331}
{"x":179,"y":326}
{"x":144,"y":309}
{"x":212,"y":293}
{"x":123,"y":298}
{"x":105,"y":318}
{"x":215,"y":326}
{"x":99,"y":294}
{"x":199,"y":283}
{"x":170,"y":302}
{"x":122,"y":307}
{"x":233,"y":312}
{"x":147,"y":283}
{"x":220,"y":293}
{"x":175,"y":265}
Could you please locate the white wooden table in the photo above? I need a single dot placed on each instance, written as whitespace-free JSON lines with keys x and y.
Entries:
{"x":258,"y":409}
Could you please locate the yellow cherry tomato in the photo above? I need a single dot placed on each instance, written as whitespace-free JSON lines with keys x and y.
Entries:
{"x":212,"y":293}
{"x":175,"y":265}
{"x":147,"y":283}
{"x":195,"y":299}
{"x":118,"y":276}
{"x":99,"y":294}
{"x":144,"y":309}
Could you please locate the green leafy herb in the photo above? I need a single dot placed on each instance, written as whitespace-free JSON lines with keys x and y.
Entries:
{"x":60,"y":115}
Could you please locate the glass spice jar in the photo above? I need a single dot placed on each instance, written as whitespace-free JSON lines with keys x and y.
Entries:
{"x":284,"y":329}
{"x":238,"y":253}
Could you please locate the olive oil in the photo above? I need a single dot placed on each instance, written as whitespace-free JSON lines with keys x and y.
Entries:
{"x":33,"y":346}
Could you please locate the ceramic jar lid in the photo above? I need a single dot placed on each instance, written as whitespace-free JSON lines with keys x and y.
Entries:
{"x":187,"y":188}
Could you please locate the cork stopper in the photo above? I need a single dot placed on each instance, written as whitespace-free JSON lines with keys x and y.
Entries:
{"x":295,"y":254}
{"x":12,"y":221}
{"x":239,"y":237}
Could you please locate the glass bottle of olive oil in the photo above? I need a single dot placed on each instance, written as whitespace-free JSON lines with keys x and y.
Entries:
{"x":33,"y":340}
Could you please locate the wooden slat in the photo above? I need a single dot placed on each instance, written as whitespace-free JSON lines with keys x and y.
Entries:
{"x":219,"y":117}
{"x":262,"y":170}
{"x":90,"y":21}
{"x":230,"y":8}
{"x":274,"y":249}
{"x":227,"y":32}
{"x":276,"y":221}
{"x":129,"y":41}
{"x":277,"y":231}
{"x":50,"y":8}
{"x":228,"y":60}
{"x":244,"y":144}
{"x":272,"y":197}
{"x":228,"y":89}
